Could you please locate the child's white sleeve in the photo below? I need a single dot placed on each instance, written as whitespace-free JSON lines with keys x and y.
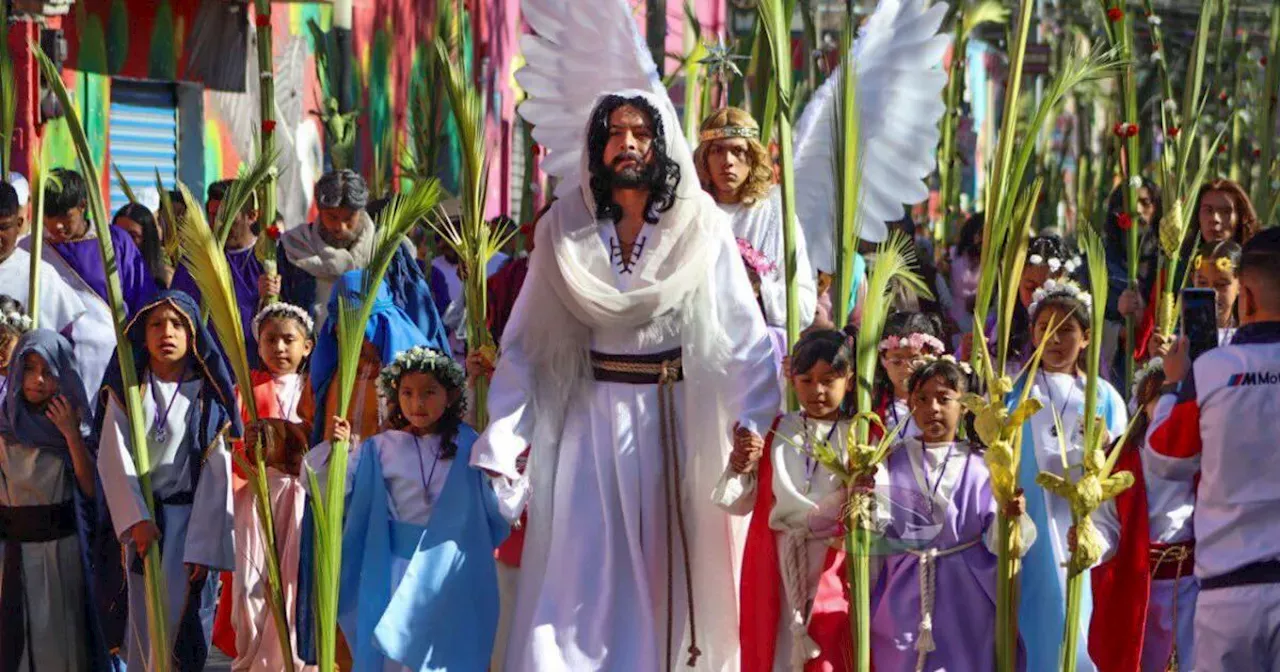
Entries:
{"x":1107,"y":520}
{"x":210,"y":537}
{"x":735,"y":493}
{"x":991,"y":536}
{"x":120,"y":482}
{"x":513,"y":496}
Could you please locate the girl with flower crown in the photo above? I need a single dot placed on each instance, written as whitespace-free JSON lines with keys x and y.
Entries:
{"x":244,"y":628}
{"x":935,"y":596}
{"x":419,"y":584}
{"x":906,"y":338}
{"x":1061,"y":319}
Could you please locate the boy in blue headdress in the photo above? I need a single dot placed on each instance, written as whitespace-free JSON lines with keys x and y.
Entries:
{"x":189,"y":405}
{"x":48,"y":486}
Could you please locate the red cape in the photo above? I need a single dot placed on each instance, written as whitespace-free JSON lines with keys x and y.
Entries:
{"x":1122,"y":585}
{"x":762,"y":592}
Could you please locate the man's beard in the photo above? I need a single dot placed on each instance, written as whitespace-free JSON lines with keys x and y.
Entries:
{"x":340,"y":241}
{"x":636,"y":176}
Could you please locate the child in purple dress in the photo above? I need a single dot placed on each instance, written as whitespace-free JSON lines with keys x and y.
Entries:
{"x":934,"y":603}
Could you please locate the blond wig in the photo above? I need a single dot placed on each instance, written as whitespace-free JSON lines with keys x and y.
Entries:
{"x":760,"y":179}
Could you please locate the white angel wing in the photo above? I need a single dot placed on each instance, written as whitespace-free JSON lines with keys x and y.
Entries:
{"x":579,"y":50}
{"x":900,"y":80}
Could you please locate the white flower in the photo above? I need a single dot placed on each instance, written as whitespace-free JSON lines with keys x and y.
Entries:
{"x":1036,"y":260}
{"x":1171,"y":105}
{"x":1156,"y":56}
{"x":1220,"y":127}
{"x":1275,"y":185}
{"x":1054,"y":265}
{"x":1154,"y":20}
{"x":1135,"y":182}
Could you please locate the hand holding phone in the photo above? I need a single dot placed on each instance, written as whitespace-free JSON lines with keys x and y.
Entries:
{"x":1200,"y":320}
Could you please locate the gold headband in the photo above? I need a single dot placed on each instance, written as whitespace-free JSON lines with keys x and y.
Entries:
{"x":728,"y":132}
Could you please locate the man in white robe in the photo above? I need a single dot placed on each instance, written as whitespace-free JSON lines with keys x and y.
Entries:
{"x":738,"y":173}
{"x":634,"y":348}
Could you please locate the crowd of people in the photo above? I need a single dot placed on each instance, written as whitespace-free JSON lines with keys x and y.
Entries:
{"x":641,"y":497}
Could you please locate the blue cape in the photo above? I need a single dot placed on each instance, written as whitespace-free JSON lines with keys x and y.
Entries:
{"x":444,"y":613}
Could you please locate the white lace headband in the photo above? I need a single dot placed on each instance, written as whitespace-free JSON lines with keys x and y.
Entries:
{"x":1055,"y":264}
{"x":1055,"y":288}
{"x":281,"y":309}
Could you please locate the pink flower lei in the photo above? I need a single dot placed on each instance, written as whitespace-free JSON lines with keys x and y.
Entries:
{"x":755,"y":259}
{"x":915,"y":341}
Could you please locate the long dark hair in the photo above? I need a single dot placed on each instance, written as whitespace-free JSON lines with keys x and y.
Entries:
{"x":450,"y":422}
{"x":152,"y":251}
{"x":661,"y":178}
{"x":902,"y":323}
{"x":967,"y":242}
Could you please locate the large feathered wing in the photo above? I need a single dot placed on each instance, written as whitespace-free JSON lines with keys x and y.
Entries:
{"x":579,"y":50}
{"x":899,"y":80}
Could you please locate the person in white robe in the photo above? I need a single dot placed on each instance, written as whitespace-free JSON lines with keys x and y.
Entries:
{"x":188,"y":407}
{"x":738,"y":173}
{"x":635,"y":347}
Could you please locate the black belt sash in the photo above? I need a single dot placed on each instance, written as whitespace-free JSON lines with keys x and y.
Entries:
{"x":650,"y":369}
{"x":1249,"y":575}
{"x":37,"y":524}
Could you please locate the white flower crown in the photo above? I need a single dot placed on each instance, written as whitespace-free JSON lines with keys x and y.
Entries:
{"x":1153,"y":365}
{"x":1054,"y":288}
{"x":282,"y":309}
{"x":929,"y":358}
{"x":16,"y":321}
{"x":421,"y":359}
{"x":1055,"y":264}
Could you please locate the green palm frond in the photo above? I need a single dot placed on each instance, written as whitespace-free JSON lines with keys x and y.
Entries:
{"x":242,"y":193}
{"x":156,"y":593}
{"x":847,"y":164}
{"x":895,"y":262}
{"x":203,"y":256}
{"x":124,"y":184}
{"x":39,"y":179}
{"x":168,"y":223}
{"x":987,"y":11}
{"x":1096,"y":261}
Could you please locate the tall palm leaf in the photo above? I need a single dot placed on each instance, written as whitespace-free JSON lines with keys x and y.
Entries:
{"x":202,"y":254}
{"x":394,"y":223}
{"x":40,"y":180}
{"x":156,"y":594}
{"x":472,"y":238}
{"x":266,"y":110}
{"x":775,"y":17}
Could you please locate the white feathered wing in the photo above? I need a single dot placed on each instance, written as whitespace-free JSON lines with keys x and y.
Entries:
{"x":578,"y":52}
{"x":900,"y":80}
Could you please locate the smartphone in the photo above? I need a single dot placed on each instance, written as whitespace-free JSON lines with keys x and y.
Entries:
{"x":1200,"y":320}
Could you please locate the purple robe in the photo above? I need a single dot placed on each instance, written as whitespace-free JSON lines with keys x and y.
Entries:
{"x":245,"y":271}
{"x":84,"y":257}
{"x":964,"y":609}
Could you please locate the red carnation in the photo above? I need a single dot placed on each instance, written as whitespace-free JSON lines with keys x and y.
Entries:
{"x":273,"y":232}
{"x":1131,"y":130}
{"x":1223,"y":96}
{"x":262,"y":20}
{"x":1118,"y":129}
{"x":1124,"y":221}
{"x":1222,"y":149}
{"x":1263,"y":61}
{"x":1173,"y":132}
{"x":1115,"y":14}
{"x":1257,"y":152}
{"x":268,"y":126}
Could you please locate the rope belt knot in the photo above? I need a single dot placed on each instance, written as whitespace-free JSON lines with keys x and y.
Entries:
{"x":925,"y":643}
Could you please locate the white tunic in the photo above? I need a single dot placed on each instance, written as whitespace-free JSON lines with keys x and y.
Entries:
{"x":602,"y":602}
{"x":761,"y":225}
{"x":1064,"y":394}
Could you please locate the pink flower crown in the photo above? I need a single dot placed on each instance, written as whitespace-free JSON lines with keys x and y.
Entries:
{"x":917,"y":341}
{"x":755,"y":259}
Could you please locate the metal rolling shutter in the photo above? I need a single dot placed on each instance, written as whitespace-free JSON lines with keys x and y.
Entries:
{"x":143,"y":135}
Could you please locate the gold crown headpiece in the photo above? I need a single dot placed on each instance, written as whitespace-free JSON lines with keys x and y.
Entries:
{"x":728,"y":132}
